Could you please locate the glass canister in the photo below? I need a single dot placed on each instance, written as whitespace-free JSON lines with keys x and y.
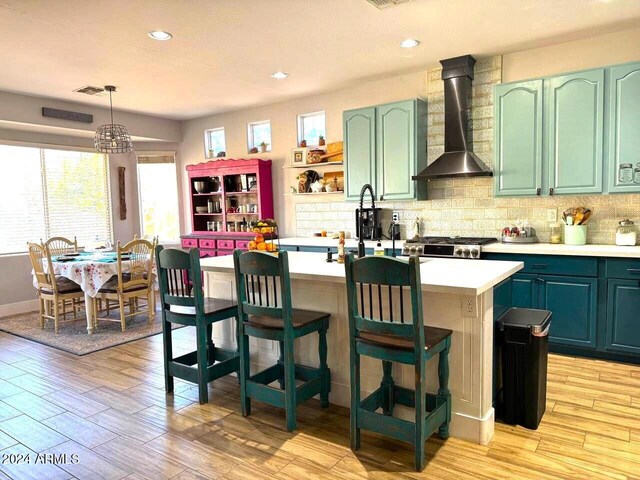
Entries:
{"x":555,"y":235}
{"x":626,"y":233}
{"x":636,"y":176}
{"x":625,"y":173}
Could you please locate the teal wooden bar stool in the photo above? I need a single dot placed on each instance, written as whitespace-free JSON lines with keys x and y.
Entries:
{"x":183,"y":302}
{"x":259,"y":277}
{"x":373,"y":284}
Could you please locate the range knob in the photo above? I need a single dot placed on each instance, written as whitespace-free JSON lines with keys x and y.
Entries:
{"x":475,"y":253}
{"x":412,"y":250}
{"x":419,"y":249}
{"x":458,"y":252}
{"x":466,"y":252}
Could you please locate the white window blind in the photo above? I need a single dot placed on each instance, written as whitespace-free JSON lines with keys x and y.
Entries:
{"x":158,"y":191}
{"x":46,"y":193}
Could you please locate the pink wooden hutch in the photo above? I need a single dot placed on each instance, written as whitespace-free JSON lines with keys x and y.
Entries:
{"x":242,"y":189}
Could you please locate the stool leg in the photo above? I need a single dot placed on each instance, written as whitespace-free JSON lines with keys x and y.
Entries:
{"x":443,"y":390}
{"x":201,"y":355}
{"x":168,"y":354}
{"x":281,"y":363}
{"x":324,"y":369}
{"x":355,"y":398}
{"x":290,"y":384}
{"x":387,"y":384}
{"x":243,"y":344}
{"x":210,"y":348}
{"x":421,"y":413}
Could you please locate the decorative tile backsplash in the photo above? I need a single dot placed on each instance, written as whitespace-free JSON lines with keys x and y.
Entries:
{"x":466,"y":206}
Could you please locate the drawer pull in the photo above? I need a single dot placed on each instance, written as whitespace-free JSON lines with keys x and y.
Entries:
{"x":539,"y":265}
{"x":634,"y":271}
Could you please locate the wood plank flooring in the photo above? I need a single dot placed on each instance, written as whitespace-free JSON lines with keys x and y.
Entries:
{"x":109,"y":408}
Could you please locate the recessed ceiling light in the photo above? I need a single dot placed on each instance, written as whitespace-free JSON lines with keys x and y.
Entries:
{"x":279,"y":75}
{"x":409,"y":43}
{"x":160,"y":35}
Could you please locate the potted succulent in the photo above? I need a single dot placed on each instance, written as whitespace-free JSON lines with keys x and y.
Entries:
{"x":263,"y":147}
{"x":320,"y":141}
{"x":253,"y":150}
{"x":303,"y":143}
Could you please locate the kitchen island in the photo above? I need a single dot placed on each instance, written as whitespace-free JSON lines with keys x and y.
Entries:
{"x":457,"y":294}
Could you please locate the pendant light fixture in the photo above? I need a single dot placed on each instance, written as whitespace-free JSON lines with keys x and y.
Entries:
{"x":112,"y":138}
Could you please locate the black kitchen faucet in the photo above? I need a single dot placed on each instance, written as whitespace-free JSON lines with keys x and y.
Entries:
{"x":365,"y":187}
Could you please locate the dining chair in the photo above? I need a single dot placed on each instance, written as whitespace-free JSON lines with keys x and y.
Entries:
{"x":184,"y":303}
{"x":133,"y":280}
{"x":53,"y":291}
{"x":61,"y":245}
{"x":259,"y":276}
{"x":397,"y":335}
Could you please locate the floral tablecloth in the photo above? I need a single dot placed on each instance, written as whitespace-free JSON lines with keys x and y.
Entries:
{"x":90,"y":271}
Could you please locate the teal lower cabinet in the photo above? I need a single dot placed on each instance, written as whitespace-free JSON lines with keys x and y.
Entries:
{"x":623,"y":316}
{"x":524,"y":291}
{"x":573,"y":301}
{"x":595,"y":302}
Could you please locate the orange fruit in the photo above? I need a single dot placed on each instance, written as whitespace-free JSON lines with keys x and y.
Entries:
{"x":270,"y":247}
{"x":259,"y":239}
{"x":262,"y":246}
{"x":251,"y":245}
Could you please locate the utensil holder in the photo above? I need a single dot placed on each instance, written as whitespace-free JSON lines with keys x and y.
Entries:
{"x":575,"y":234}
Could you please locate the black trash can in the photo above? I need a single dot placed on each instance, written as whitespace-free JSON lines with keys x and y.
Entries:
{"x":524,"y":336}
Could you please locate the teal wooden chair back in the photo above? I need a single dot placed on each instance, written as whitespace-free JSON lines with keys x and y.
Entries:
{"x":263,"y":285}
{"x":379,"y":282}
{"x":180,"y":278}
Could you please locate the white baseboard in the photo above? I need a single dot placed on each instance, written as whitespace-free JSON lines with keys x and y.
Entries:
{"x":18,"y":307}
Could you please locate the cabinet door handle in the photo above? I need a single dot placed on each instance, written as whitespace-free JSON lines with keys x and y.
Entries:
{"x":541,"y":280}
{"x":634,"y":271}
{"x":551,"y":191}
{"x":538,"y":191}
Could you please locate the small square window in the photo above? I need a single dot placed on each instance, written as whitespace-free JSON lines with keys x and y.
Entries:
{"x":214,"y":143}
{"x":311,"y":126}
{"x":259,"y":136}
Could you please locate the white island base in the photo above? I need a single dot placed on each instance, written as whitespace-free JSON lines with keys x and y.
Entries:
{"x":457,"y":294}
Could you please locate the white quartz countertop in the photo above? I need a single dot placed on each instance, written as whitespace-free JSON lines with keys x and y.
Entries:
{"x":333,"y":242}
{"x":499,"y":247}
{"x":442,"y":275}
{"x":573,"y":250}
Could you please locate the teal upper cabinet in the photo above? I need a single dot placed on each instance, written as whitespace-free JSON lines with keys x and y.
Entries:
{"x":384,"y":146}
{"x":360,"y":149}
{"x":518,"y":138}
{"x":624,"y":128}
{"x":395,"y":125}
{"x":575,"y":132}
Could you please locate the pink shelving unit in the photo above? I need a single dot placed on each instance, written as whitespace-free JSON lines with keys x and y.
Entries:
{"x":234,"y":189}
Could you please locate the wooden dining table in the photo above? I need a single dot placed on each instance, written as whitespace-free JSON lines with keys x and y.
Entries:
{"x":90,"y":270}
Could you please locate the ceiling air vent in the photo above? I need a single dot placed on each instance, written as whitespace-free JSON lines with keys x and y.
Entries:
{"x":90,"y":90}
{"x":382,"y":4}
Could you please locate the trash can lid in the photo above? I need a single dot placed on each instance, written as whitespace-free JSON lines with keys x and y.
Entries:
{"x":529,"y":318}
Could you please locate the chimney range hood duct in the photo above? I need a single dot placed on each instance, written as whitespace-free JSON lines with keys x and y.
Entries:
{"x":457,"y":160}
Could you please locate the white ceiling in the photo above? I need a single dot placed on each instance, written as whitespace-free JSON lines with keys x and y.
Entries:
{"x":224,"y":51}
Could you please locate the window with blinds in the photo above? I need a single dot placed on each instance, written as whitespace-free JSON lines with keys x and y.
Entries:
{"x":158,"y":194}
{"x":46,"y":193}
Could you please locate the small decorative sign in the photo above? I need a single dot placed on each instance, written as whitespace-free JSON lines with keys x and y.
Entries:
{"x":123,"y":201}
{"x":67,"y":115}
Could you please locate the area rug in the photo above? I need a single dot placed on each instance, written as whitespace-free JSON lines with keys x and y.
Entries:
{"x":72,"y":336}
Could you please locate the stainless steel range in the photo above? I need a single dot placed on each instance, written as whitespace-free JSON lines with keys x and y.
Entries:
{"x":457,"y":247}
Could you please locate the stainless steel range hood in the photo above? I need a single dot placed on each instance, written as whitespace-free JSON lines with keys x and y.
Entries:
{"x":457,"y":160}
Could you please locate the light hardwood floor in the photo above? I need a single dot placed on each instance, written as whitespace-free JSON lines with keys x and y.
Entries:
{"x":109,"y":410}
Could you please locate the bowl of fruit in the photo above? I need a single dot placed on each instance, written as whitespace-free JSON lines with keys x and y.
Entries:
{"x":266,"y":236}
